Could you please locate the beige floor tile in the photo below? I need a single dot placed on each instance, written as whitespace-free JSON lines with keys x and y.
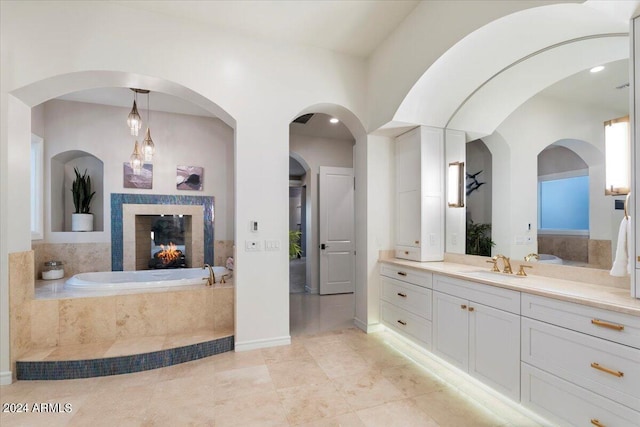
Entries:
{"x":285,"y":353}
{"x":136,"y":379}
{"x":342,"y":363}
{"x":412,"y":380}
{"x":257,"y":410}
{"x":382,"y":357}
{"x":240,"y":383}
{"x":235,"y":360}
{"x":344,"y":420}
{"x":114,"y":406}
{"x":296,"y":372}
{"x":330,"y":344}
{"x":180,"y":402}
{"x":36,"y":355}
{"x":312,"y":402}
{"x":401,"y":413}
{"x":450,"y":408}
{"x":195,"y":368}
{"x":367,"y":390}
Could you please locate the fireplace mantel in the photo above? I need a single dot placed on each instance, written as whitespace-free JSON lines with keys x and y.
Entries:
{"x":124,"y":208}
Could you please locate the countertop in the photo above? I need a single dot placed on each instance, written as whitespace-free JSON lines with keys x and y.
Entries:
{"x":599,"y":296}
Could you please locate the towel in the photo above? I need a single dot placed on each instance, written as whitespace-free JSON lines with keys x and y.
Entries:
{"x":630,"y":263}
{"x":621,"y":265}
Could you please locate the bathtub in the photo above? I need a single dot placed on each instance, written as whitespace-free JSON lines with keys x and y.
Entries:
{"x":143,"y":279}
{"x":549,"y":259}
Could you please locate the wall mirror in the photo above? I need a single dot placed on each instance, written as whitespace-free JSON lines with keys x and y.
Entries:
{"x":536,"y":182}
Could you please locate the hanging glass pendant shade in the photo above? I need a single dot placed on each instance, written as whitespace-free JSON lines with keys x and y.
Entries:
{"x":148,"y":148}
{"x":134,"y":121}
{"x":137,"y":159}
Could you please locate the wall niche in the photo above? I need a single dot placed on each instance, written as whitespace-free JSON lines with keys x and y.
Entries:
{"x":62,"y":177}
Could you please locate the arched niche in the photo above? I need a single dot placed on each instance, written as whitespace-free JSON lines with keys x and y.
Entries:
{"x":62,"y":175}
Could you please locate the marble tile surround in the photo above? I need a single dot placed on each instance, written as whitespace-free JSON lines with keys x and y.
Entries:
{"x":77,"y":257}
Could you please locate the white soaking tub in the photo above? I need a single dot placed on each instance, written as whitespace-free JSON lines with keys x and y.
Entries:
{"x":143,"y":279}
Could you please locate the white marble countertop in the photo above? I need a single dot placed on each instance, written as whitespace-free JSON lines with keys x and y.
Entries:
{"x":606,"y":297}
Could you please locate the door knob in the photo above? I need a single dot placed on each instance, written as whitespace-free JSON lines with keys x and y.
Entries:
{"x":323,"y":246}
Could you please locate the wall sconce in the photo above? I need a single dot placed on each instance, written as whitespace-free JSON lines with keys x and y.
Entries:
{"x":455,"y":194}
{"x":617,"y":147}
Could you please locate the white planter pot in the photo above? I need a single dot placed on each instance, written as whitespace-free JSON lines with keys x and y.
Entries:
{"x":81,"y":222}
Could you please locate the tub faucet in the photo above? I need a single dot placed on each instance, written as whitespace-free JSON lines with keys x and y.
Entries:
{"x":531,"y":255}
{"x":212,"y":277}
{"x":506,"y":262}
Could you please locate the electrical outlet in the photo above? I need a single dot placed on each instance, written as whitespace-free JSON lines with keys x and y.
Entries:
{"x":454,"y":239}
{"x":528,"y":240}
{"x":252,"y":246}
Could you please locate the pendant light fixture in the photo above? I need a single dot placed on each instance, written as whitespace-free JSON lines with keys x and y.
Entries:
{"x":134,"y":121}
{"x":148,"y":147}
{"x":137,"y":159}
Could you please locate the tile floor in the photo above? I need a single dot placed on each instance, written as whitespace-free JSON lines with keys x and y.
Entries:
{"x":326,"y":377}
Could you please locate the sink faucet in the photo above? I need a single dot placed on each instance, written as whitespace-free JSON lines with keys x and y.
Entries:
{"x":505,"y":261}
{"x":212,"y":277}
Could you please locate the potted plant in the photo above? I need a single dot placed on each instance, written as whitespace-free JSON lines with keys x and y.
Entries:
{"x":479,"y":239}
{"x":295,"y":250}
{"x":82,"y":218}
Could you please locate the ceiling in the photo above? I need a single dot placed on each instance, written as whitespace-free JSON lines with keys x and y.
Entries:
{"x":350,"y":27}
{"x":319,"y":126}
{"x":595,"y":89}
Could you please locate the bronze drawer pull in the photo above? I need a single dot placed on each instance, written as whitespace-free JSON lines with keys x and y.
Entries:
{"x":401,"y":273}
{"x":463,"y":306}
{"x":471,"y":308}
{"x":400,"y":294}
{"x":604,"y":324}
{"x":417,"y":242}
{"x":597,"y":423}
{"x":402,"y":323}
{"x":607,"y":370}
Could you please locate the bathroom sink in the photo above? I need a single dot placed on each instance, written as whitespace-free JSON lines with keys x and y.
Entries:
{"x":492,"y":275}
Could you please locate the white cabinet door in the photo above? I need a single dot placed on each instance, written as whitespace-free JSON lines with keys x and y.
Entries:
{"x":451,"y":329}
{"x":494,"y":348}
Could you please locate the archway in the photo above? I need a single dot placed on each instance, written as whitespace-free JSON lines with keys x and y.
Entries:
{"x":17,"y":237}
{"x":336,"y":149}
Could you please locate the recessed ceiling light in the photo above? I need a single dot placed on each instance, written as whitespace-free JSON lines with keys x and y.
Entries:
{"x":333,"y":120}
{"x":597,"y":69}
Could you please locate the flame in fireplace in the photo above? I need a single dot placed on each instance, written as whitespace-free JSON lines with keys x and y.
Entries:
{"x":169,"y":253}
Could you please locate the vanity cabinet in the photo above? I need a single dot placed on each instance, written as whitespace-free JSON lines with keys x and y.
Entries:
{"x":580,"y":364}
{"x":405,"y":303}
{"x":477,"y":328}
{"x":419,"y":157}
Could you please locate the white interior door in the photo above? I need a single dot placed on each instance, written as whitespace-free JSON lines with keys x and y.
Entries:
{"x":337,"y":246}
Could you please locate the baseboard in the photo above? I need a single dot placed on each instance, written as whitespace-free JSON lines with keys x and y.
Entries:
{"x":310,"y":290}
{"x":6,"y":378}
{"x":263,"y":343}
{"x":374,"y":327}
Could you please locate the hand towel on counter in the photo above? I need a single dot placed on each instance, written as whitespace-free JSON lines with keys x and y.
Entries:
{"x":622,"y":264}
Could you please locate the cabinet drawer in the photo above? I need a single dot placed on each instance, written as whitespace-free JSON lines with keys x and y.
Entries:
{"x":416,"y":277}
{"x":406,"y":323}
{"x":406,"y":252}
{"x":502,"y":299}
{"x":604,"y":367}
{"x":409,"y":297}
{"x":565,"y":403}
{"x":618,"y":327}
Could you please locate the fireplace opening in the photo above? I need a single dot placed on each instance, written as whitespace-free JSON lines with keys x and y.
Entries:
{"x":163,"y":241}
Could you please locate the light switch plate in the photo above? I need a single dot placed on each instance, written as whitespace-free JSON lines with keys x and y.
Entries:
{"x":252,"y":246}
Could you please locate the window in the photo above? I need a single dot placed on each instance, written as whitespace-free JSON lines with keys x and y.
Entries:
{"x":564,"y":205}
{"x":37,"y":173}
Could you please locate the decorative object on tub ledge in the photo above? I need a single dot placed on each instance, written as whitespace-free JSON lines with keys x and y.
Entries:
{"x":143,"y":180}
{"x":82,"y":218}
{"x":189,"y":177}
{"x":53,"y":270}
{"x":229,"y":265}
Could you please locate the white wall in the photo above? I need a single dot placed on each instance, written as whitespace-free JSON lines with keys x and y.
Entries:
{"x":536,"y":124}
{"x":180,"y":139}
{"x":318,"y":152}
